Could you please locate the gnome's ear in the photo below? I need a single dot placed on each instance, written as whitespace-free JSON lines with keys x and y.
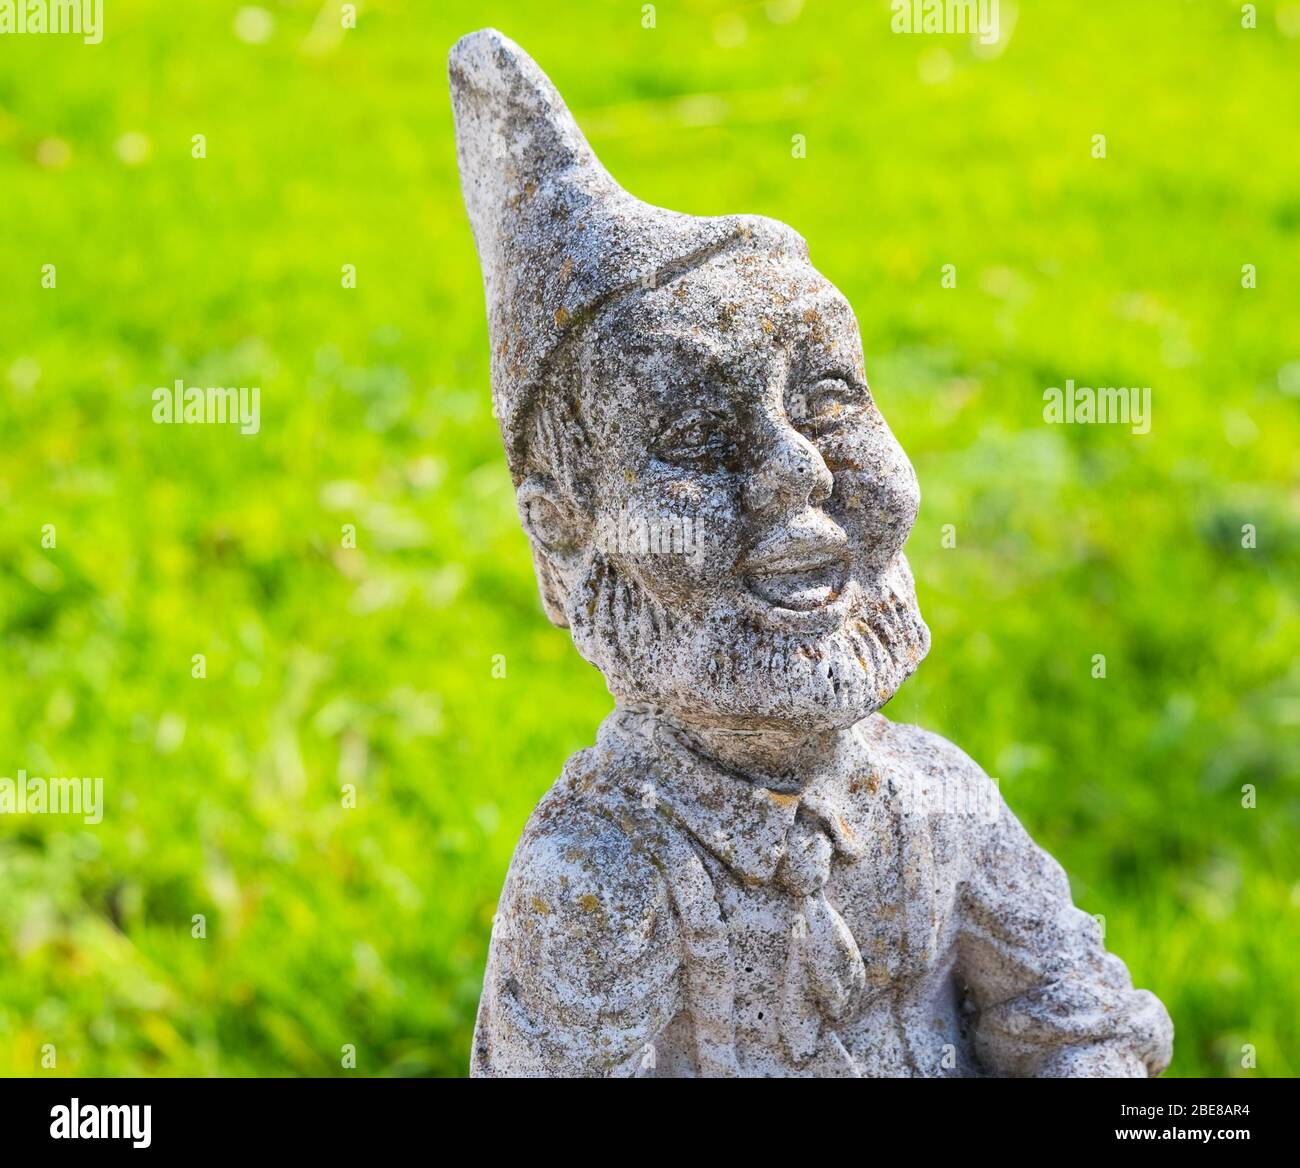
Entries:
{"x":558,"y":535}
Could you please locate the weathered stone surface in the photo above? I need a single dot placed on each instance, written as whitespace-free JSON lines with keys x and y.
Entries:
{"x":752,"y":872}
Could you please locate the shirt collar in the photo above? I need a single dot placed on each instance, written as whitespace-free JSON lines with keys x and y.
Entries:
{"x":741,"y":823}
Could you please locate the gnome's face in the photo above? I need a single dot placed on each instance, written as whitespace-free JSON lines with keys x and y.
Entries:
{"x":716,"y":508}
{"x":747,"y":503}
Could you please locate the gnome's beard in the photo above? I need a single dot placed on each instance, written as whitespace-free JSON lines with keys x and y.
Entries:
{"x":726,"y":663}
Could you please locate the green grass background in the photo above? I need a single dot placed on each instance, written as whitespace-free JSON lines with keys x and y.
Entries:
{"x":328,"y":666}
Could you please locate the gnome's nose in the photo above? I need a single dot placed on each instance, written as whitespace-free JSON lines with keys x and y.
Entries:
{"x":792,"y":475}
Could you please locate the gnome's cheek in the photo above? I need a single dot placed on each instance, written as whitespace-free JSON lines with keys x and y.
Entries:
{"x":692,"y":571}
{"x":878,"y":521}
{"x":676,"y":512}
{"x":871,"y":471}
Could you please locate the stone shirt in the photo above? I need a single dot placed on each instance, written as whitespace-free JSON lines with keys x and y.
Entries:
{"x":663,"y":916}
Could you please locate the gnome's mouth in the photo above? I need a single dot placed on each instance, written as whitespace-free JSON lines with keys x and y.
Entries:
{"x":799,"y":587}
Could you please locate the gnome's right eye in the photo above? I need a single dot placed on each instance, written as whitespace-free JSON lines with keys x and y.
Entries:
{"x":698,"y":438}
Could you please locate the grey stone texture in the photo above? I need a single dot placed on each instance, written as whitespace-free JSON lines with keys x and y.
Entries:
{"x":752,"y":872}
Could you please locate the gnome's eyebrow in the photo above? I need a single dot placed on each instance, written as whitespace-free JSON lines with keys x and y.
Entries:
{"x":692,"y":353}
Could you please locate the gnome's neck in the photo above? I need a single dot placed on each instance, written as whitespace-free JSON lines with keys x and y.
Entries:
{"x":778,"y":758}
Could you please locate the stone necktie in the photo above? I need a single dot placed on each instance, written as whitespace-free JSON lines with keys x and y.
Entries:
{"x":824,"y":974}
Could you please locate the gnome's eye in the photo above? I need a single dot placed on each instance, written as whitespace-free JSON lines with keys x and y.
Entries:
{"x":698,"y":438}
{"x":826,"y":404}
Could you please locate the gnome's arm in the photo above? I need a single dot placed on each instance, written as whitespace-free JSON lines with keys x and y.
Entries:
{"x":1050,"y":1001}
{"x":583,"y":971}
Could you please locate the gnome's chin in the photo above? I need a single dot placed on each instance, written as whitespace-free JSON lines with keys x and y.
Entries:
{"x":759,"y":662}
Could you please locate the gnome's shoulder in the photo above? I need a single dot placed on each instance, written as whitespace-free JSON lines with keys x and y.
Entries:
{"x":587,"y":888}
{"x":942,"y":791}
{"x":919,"y":751}
{"x":585,"y":953}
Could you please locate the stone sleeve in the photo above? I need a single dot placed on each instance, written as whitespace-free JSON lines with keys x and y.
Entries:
{"x":1050,"y":1001}
{"x":584,"y":965}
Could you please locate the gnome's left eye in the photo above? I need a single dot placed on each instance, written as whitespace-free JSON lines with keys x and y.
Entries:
{"x":827,"y":403}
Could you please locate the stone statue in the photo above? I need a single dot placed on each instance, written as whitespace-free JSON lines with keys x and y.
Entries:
{"x":752,"y":872}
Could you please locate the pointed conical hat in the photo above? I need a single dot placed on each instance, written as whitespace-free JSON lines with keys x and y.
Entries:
{"x":557,"y":237}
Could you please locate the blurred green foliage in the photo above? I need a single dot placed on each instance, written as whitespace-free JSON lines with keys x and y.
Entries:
{"x":373,"y":666}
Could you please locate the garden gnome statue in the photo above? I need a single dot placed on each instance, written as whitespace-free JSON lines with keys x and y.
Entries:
{"x":752,"y":872}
